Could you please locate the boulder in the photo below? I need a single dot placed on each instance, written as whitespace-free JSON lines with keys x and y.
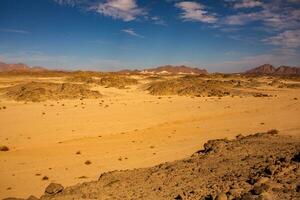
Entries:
{"x":54,"y":188}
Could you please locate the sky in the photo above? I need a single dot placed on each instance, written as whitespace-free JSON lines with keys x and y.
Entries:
{"x":108,"y":35}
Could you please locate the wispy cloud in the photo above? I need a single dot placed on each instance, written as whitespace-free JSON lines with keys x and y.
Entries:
{"x":70,"y":2}
{"x":241,"y":18}
{"x":193,"y":11}
{"x":126,"y":10}
{"x":276,"y":15}
{"x":132,"y":33}
{"x":158,"y":20}
{"x":286,"y":39}
{"x":14,"y":31}
{"x":248,"y":4}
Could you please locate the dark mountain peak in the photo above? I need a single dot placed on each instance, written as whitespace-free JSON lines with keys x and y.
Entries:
{"x":263,"y":69}
{"x":268,"y":69}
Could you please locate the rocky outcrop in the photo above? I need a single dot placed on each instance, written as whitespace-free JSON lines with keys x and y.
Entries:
{"x":259,"y":166}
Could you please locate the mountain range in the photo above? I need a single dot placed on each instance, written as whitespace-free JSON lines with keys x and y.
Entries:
{"x":20,"y":67}
{"x":268,"y":69}
{"x":265,"y":69}
{"x":170,"y":69}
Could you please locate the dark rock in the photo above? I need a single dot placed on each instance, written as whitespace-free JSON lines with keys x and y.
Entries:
{"x":296,"y":157}
{"x":259,"y":189}
{"x":4,"y":148}
{"x":54,"y":188}
{"x":178,"y":197}
{"x":208,"y":197}
{"x":270,"y":170}
{"x":298,"y":188}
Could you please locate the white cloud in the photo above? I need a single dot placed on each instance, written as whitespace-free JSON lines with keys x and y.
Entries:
{"x":14,"y":31}
{"x":193,"y":11}
{"x":131,"y":32}
{"x":126,"y":10}
{"x":286,"y":39}
{"x":248,"y":4}
{"x":241,"y":18}
{"x":275,"y":16}
{"x":158,"y":20}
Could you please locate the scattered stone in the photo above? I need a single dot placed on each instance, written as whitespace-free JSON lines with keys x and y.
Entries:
{"x":45,"y":178}
{"x":4,"y":148}
{"x":87,"y":162}
{"x":273,"y":132}
{"x":82,"y":177}
{"x":296,"y":157}
{"x":270,"y":170}
{"x":178,"y":197}
{"x":53,"y":188}
{"x":239,"y":137}
{"x":257,"y":190}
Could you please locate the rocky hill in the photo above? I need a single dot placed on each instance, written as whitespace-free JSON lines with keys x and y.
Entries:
{"x":268,"y":69}
{"x":259,"y":166}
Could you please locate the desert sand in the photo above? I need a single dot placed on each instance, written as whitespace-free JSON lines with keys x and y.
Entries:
{"x":52,"y":140}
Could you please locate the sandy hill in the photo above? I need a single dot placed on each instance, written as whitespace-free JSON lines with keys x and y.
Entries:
{"x":259,"y":166}
{"x":170,"y":69}
{"x":268,"y":69}
{"x":4,"y":67}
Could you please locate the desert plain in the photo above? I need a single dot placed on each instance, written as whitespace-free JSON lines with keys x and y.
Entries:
{"x":140,"y":122}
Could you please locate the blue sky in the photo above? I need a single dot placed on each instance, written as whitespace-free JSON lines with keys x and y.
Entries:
{"x":219,"y":35}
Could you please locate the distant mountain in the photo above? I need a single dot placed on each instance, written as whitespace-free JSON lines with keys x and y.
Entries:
{"x":170,"y":69}
{"x":286,"y":70}
{"x":128,"y":71}
{"x":19,"y":67}
{"x":268,"y":69}
{"x":263,"y":69}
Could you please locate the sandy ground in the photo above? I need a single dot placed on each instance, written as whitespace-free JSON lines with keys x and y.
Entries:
{"x":130,"y":129}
